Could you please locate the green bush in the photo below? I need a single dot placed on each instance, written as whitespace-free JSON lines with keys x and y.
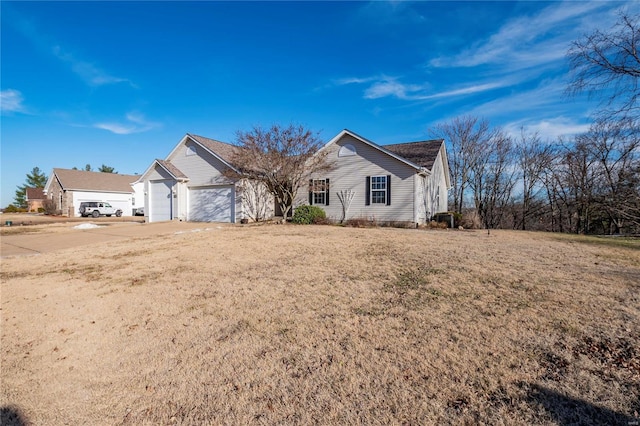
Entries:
{"x":306,"y":215}
{"x":14,"y":209}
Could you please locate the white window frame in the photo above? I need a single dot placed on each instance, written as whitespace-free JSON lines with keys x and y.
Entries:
{"x":319,"y":189}
{"x":191,"y":150}
{"x":381,"y":182}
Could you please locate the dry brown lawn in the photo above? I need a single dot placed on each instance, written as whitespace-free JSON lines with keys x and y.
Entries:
{"x":325,"y":325}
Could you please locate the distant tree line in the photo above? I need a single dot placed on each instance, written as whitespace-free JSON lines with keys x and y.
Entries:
{"x":102,"y":169}
{"x":587,"y":184}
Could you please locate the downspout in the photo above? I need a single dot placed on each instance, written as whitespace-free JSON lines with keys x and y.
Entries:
{"x":415,"y":204}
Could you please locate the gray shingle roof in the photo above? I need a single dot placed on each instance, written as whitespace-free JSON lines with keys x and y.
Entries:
{"x":94,"y":181}
{"x":422,"y":153}
{"x":172,"y":169}
{"x":221,"y":149}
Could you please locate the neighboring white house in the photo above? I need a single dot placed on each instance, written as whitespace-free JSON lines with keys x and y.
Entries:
{"x":399,"y":183}
{"x":69,"y":188}
{"x":189,"y":185}
{"x":405,"y":182}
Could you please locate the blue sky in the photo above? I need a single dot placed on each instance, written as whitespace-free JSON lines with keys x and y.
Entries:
{"x":120,"y":83}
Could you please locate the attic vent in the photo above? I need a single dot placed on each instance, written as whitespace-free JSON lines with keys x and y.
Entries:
{"x":347,"y":151}
{"x":191,"y":150}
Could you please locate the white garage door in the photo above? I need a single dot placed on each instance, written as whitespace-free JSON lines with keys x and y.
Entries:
{"x":160,"y":200}
{"x":211,"y":204}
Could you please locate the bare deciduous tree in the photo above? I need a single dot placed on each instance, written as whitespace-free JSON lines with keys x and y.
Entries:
{"x":464,"y":135}
{"x":279,"y":157}
{"x":609,"y":63}
{"x":493,"y":177}
{"x":533,"y":157}
{"x":614,"y":147}
{"x":256,"y":199}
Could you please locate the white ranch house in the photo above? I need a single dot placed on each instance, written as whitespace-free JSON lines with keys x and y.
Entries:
{"x":401,"y":183}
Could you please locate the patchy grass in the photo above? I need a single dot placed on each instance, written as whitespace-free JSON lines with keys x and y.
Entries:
{"x":604,"y":240}
{"x":332,"y":325}
{"x":17,"y":230}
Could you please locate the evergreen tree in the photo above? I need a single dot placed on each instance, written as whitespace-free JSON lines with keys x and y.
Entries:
{"x":35,"y":179}
{"x":107,"y":169}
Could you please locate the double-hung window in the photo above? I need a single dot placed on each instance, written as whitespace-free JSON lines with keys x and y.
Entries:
{"x":319,"y":192}
{"x":378,"y":190}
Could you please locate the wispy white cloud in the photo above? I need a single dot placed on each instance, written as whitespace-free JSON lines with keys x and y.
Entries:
{"x":548,"y":129}
{"x":90,"y":73}
{"x":390,"y":86}
{"x":548,"y":95}
{"x":386,"y":86}
{"x":11,"y":101}
{"x":528,"y":41}
{"x":353,"y":80}
{"x":134,"y":123}
{"x":468,"y":90}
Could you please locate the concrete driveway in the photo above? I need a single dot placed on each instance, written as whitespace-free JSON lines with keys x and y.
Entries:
{"x":48,"y":238}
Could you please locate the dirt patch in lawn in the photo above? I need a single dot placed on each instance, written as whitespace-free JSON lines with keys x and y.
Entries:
{"x":319,"y":324}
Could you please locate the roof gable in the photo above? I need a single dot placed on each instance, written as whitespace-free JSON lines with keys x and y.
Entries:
{"x":80,"y":180}
{"x":380,"y":148}
{"x":222,"y":150}
{"x":168,"y":167}
{"x":173,"y":170}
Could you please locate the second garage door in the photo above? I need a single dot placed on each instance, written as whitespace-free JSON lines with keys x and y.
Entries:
{"x":211,"y":204}
{"x":160,"y":200}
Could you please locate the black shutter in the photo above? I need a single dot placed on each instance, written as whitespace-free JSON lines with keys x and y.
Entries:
{"x":388,"y":190}
{"x":310,"y":192}
{"x":367,"y":191}
{"x":326,"y":196}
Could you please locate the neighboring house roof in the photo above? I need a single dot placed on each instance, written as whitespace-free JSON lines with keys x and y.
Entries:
{"x":80,"y":180}
{"x":35,"y":194}
{"x":422,"y":153}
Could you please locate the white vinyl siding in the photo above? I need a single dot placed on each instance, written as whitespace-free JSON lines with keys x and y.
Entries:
{"x":431,"y":192}
{"x":349,"y":175}
{"x":203,"y":169}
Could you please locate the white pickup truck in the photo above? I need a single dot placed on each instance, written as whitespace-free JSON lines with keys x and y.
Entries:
{"x":98,"y":208}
